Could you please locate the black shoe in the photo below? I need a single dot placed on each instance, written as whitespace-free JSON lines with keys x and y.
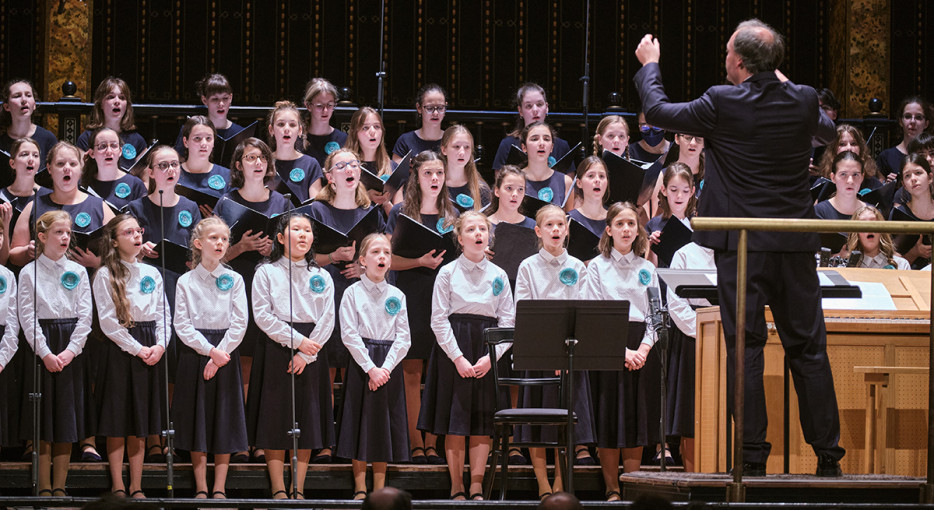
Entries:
{"x":828,"y":466}
{"x":516,"y":458}
{"x":753,"y":468}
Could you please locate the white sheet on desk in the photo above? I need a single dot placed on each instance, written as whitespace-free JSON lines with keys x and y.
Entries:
{"x":875,"y":297}
{"x":821,"y":277}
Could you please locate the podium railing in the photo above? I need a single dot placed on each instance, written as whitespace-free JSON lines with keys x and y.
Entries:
{"x":736,"y":491}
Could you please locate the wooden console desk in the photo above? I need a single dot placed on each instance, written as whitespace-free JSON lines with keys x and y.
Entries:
{"x":854,"y":338}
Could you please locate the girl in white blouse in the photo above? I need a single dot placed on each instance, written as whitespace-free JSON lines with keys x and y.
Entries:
{"x":135,"y":316}
{"x":293,"y":303}
{"x":625,"y":409}
{"x":211,"y":320}
{"x":55,"y":292}
{"x":9,"y":331}
{"x":375,"y":329}
{"x":470,"y":295}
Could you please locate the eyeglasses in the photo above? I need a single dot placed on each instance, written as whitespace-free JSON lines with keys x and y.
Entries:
{"x":251,"y":158}
{"x":164,"y":166}
{"x":691,"y":138}
{"x":918,"y":117}
{"x":104,"y":146}
{"x":344,"y":164}
{"x":645,"y":127}
{"x":435,"y":108}
{"x":323,"y":106}
{"x":130,"y":232}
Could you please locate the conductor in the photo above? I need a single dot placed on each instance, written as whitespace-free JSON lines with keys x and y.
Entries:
{"x":758,"y":134}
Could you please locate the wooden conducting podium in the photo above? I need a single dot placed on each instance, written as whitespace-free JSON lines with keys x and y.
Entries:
{"x":857,"y":341}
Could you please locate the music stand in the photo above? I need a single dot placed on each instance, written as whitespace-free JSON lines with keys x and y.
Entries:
{"x":570,"y":335}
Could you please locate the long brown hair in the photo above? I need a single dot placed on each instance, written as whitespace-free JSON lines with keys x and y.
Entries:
{"x":119,"y":273}
{"x":524,"y":89}
{"x":282,"y":106}
{"x":677,"y":169}
{"x":501,"y":174}
{"x":475,"y":183}
{"x":127,"y":123}
{"x":383,"y":162}
{"x":412,"y":205}
{"x":827,"y":159}
{"x":641,"y":242}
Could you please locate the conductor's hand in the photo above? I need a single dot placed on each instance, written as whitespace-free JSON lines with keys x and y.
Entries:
{"x":219,"y":357}
{"x":378,"y":377}
{"x":464,"y":368}
{"x":297,"y":366}
{"x":648,"y":50}
{"x":52,"y":363}
{"x":482,"y":367}
{"x":430,"y":260}
{"x":309,"y":347}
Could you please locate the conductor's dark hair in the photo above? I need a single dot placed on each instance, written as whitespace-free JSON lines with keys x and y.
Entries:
{"x":827,"y":98}
{"x":278,"y":249}
{"x":759,"y":46}
{"x":387,"y":498}
{"x":560,"y":501}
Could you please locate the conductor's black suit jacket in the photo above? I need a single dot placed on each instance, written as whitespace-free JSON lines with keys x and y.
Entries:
{"x":757,"y":143}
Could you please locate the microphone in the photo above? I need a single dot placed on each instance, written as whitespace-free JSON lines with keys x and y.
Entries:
{"x":657,"y":317}
{"x":824,"y":257}
{"x":855,"y":258}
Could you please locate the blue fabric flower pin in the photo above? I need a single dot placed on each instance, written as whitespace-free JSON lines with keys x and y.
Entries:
{"x":2,"y":284}
{"x":317,"y":284}
{"x":331,"y":147}
{"x":464,"y":200}
{"x":216,"y":182}
{"x":393,"y":305}
{"x":184,"y":219}
{"x":568,"y":276}
{"x":224,"y":282}
{"x":122,"y":190}
{"x":129,"y":152}
{"x":441,"y":228}
{"x":546,"y":194}
{"x":644,"y":277}
{"x":498,"y":286}
{"x":297,"y":175}
{"x":552,"y":161}
{"x":83,"y":219}
{"x":70,"y":280}
{"x":147,"y":285}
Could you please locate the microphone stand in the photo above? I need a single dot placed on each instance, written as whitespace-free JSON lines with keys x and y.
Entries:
{"x":381,"y":74}
{"x":585,"y":80}
{"x":36,"y":395}
{"x":659,"y":322}
{"x":169,"y":432}
{"x":295,"y":431}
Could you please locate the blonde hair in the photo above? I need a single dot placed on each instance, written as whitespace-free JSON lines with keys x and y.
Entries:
{"x":372,"y":238}
{"x":151,"y":158}
{"x":459,"y":224}
{"x":282,"y":107}
{"x":605,"y":123}
{"x":544,"y":213}
{"x":198,"y":233}
{"x":44,"y":223}
{"x":327,"y":193}
{"x":641,"y":242}
{"x":119,"y":273}
{"x":886,"y":245}
{"x":475,"y":183}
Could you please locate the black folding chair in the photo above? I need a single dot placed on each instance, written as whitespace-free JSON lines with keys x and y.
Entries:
{"x":505,"y":419}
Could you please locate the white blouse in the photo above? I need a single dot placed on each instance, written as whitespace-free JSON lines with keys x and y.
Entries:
{"x":8,"y":316}
{"x":144,"y":290}
{"x":623,"y":278}
{"x":473,"y":288}
{"x":368,"y":311}
{"x":690,"y":256}
{"x":211,"y":300}
{"x":880,"y":261}
{"x":54,"y":300}
{"x":312,"y":301}
{"x":544,"y":276}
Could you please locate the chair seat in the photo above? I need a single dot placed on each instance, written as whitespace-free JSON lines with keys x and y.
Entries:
{"x":533,"y":416}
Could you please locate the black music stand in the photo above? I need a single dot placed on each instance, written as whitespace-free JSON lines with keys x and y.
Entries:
{"x":570,"y":335}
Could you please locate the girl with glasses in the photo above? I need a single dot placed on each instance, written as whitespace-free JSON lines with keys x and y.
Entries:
{"x":431,"y":102}
{"x":320,"y":138}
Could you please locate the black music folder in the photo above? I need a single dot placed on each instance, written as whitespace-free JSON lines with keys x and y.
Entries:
{"x":197,"y":196}
{"x":531,"y":204}
{"x":224,"y":147}
{"x":328,"y":239}
{"x":834,"y":241}
{"x":630,"y":181}
{"x":411,"y":240}
{"x":582,"y":242}
{"x":89,"y":241}
{"x":566,"y":162}
{"x":516,"y":156}
{"x":243,"y":219}
{"x":176,"y":256}
{"x":139,"y":166}
{"x":511,"y":245}
{"x":674,"y":236}
{"x":905,"y":242}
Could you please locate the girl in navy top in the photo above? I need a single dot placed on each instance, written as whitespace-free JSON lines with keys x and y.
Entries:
{"x":56,"y":293}
{"x":541,"y":180}
{"x":847,"y":174}
{"x":217,"y":95}
{"x":24,"y":162}
{"x":533,"y":107}
{"x":470,"y":295}
{"x":467,"y":189}
{"x":367,"y":138}
{"x":134,"y":315}
{"x":19,"y":103}
{"x":103,"y":176}
{"x":592,"y":189}
{"x":917,"y":179}
{"x":426,"y":201}
{"x":113,"y":108}
{"x":301,"y":173}
{"x":431,"y":101}
{"x":508,"y":193}
{"x":914,"y":117}
{"x":375,"y":329}
{"x":210,"y":319}
{"x":320,"y":138}
{"x":197,"y":171}
{"x":677,"y":202}
{"x":612,"y":134}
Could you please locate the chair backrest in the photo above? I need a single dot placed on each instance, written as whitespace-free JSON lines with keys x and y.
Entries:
{"x":496,"y":336}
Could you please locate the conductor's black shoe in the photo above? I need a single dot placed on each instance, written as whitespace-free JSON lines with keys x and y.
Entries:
{"x":753,"y":468}
{"x":828,"y":466}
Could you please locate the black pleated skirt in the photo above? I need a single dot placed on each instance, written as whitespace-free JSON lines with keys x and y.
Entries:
{"x":13,"y":402}
{"x":452,"y":404}
{"x":334,"y":349}
{"x":209,"y":415}
{"x":680,"y":398}
{"x":417,"y":285}
{"x":547,"y":396}
{"x":374,"y":426}
{"x":66,"y":412}
{"x":132,"y":393}
{"x":627,"y":403}
{"x":269,"y":401}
